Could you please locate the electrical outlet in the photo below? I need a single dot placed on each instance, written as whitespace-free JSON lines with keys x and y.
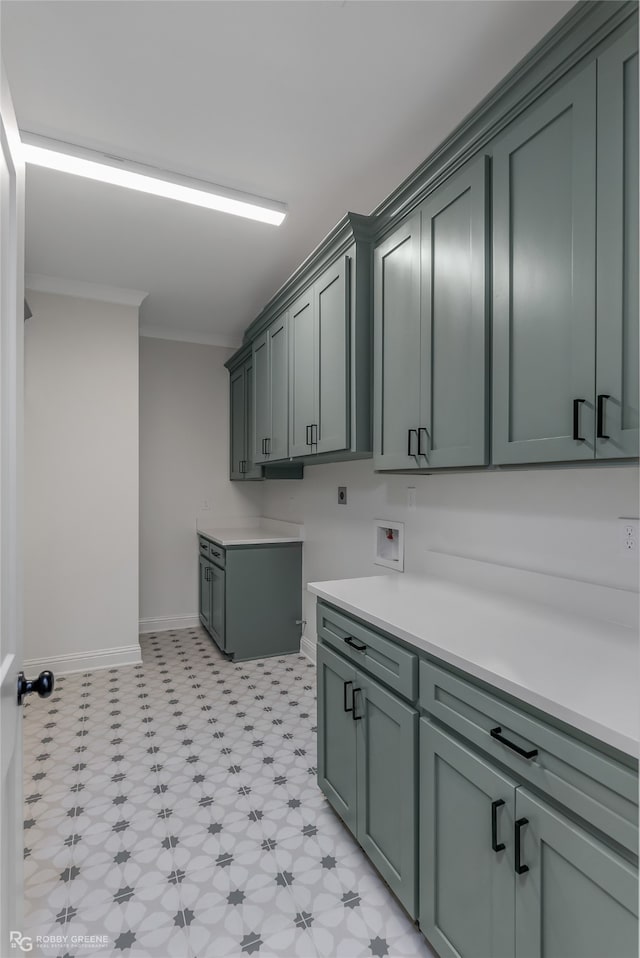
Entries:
{"x":628,"y":536}
{"x":411,"y":498}
{"x":342,"y":495}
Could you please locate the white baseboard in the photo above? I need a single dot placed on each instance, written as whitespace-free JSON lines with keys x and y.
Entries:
{"x":169,"y":623}
{"x":308,"y":647}
{"x":86,"y":661}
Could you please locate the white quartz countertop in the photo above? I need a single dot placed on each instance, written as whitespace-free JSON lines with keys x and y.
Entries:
{"x":580,"y":670}
{"x":252,"y":531}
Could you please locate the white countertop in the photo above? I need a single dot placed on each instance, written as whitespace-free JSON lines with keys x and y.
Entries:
{"x":252,"y":530}
{"x":580,"y":670}
{"x":245,"y":537}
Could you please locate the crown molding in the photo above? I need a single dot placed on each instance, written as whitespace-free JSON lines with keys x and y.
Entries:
{"x":189,"y":336}
{"x":39,"y":283}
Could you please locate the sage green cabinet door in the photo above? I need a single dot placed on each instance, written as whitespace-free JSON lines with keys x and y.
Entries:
{"x":396,"y":351}
{"x":617,"y":317}
{"x":337,"y":733}
{"x":544,"y":181}
{"x":204,"y":593}
{"x":218,"y":601}
{"x":262,"y":397}
{"x":466,"y":887}
{"x":578,"y":898}
{"x":251,"y":470}
{"x":387,"y":739}
{"x":453,"y":418}
{"x":331,"y":294}
{"x":302,"y":372}
{"x":278,"y":444}
{"x":238,"y":423}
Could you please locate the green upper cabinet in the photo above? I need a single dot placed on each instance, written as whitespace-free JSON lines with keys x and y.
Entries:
{"x":544,"y":239}
{"x":241,"y":423}
{"x":319,"y":370}
{"x":270,"y":399}
{"x":330,"y":358}
{"x":617,"y":272}
{"x":331,"y":301}
{"x":302,"y":374}
{"x":396,"y":347}
{"x":430,"y":331}
{"x":453,"y":401}
{"x":575,"y":897}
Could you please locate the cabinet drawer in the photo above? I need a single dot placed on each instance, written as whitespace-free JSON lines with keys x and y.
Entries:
{"x":382,"y":658}
{"x":204,"y":546}
{"x":217,"y":554}
{"x":595,"y":786}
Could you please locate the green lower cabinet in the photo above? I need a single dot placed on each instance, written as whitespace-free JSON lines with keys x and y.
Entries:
{"x":467,"y":881}
{"x":367,"y":768}
{"x":387,"y":739}
{"x":204,"y":592}
{"x":502,"y":874}
{"x":337,"y":734}
{"x":577,"y":898}
{"x":218,"y":605}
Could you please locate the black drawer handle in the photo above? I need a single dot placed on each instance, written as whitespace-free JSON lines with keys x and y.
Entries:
{"x":495,"y":844}
{"x":216,"y":554}
{"x":576,"y":420}
{"x":495,"y":733}
{"x":356,"y":718}
{"x":411,"y":432}
{"x":421,"y":451}
{"x":600,"y":433}
{"x":346,"y":708}
{"x":308,"y":443}
{"x":358,"y":646}
{"x":520,"y":868}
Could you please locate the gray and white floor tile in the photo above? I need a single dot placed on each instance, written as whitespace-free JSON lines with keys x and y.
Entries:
{"x":172,"y":811}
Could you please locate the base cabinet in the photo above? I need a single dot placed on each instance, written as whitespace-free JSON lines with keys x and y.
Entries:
{"x":250,"y":598}
{"x":503,"y":874}
{"x":577,"y":898}
{"x":467,"y":880}
{"x":494,"y":854}
{"x":367,"y":739}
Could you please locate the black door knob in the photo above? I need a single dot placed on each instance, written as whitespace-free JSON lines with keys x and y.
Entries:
{"x":43,"y":685}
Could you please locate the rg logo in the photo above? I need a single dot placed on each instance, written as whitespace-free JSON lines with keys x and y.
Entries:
{"x":18,"y":940}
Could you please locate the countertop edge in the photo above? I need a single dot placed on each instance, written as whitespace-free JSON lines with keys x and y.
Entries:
{"x":614,"y":739}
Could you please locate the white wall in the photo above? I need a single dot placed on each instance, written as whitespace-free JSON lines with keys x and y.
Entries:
{"x":184,"y":462}
{"x":81,"y":482}
{"x":556,"y":521}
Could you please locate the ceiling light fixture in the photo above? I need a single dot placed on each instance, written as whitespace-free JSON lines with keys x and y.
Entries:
{"x":67,"y":158}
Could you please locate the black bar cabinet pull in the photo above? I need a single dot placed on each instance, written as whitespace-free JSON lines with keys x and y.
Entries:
{"x":600,"y":420}
{"x":495,"y":733}
{"x":409,"y":432}
{"x":421,"y":451}
{"x":576,"y":420}
{"x":495,"y":844}
{"x":520,"y":868}
{"x":314,"y":434}
{"x":358,"y":646}
{"x":345,"y":696}
{"x":356,"y":718}
{"x":308,"y":442}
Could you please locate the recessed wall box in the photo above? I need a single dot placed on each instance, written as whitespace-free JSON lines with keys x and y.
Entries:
{"x":389,"y":544}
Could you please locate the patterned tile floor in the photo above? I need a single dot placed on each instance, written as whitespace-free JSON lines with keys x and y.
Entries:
{"x":172,"y":811}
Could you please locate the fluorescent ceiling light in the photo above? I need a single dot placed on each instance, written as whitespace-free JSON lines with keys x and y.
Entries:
{"x":66,"y":158}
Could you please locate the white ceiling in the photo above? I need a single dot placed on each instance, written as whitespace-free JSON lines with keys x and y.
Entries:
{"x":326,"y":106}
